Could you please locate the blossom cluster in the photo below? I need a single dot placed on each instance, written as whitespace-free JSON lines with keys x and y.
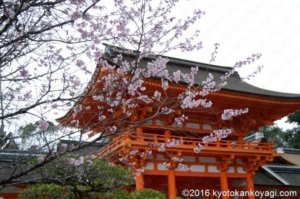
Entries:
{"x":239,"y":64}
{"x":138,"y":171}
{"x":43,"y":125}
{"x":157,"y":68}
{"x":161,"y":147}
{"x":207,"y":85}
{"x":176,"y":159}
{"x":198,"y":148}
{"x":229,"y":113}
{"x":179,"y":120}
{"x":184,"y":167}
{"x":76,"y":162}
{"x":173,"y":142}
{"x":216,"y":135}
{"x":222,"y":133}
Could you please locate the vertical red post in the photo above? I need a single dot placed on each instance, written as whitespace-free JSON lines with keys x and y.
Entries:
{"x":224,"y":184}
{"x":139,"y":182}
{"x":249,"y":183}
{"x":139,"y":133}
{"x":167,"y":134}
{"x":171,"y":184}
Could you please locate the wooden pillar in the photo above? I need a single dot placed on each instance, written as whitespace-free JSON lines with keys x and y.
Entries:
{"x":224,"y":184}
{"x":139,"y":182}
{"x":167,"y":133}
{"x":224,"y":163}
{"x":249,"y":184}
{"x":139,"y":133}
{"x":171,"y":184}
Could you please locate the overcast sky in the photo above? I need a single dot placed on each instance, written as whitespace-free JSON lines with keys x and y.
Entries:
{"x":270,"y":27}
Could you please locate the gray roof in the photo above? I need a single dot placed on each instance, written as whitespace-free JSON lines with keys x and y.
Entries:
{"x":235,"y":83}
{"x":291,"y":151}
{"x":12,"y":155}
{"x":16,"y":159}
{"x":290,"y":175}
{"x":263,"y":178}
{"x":87,"y":150}
{"x":280,"y":172}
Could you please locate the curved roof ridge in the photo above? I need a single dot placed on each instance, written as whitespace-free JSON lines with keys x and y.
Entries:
{"x":234,"y":82}
{"x":113,"y":50}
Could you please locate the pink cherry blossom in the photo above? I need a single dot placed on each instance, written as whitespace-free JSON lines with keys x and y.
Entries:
{"x":179,"y":120}
{"x":133,"y":152}
{"x":166,"y":165}
{"x":172,"y":143}
{"x":164,"y":84}
{"x":198,"y":148}
{"x":24,"y":72}
{"x":157,"y":68}
{"x":161,"y":148}
{"x":229,"y":113}
{"x":183,"y":166}
{"x":222,"y":133}
{"x":157,"y":95}
{"x":43,"y":125}
{"x":176,"y":76}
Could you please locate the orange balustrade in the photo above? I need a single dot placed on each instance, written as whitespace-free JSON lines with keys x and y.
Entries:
{"x":148,"y":141}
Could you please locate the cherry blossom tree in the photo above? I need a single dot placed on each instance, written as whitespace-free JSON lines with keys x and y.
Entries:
{"x":49,"y":49}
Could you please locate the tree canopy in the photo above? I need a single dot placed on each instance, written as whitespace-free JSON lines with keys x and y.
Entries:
{"x":74,"y":176}
{"x":284,"y":138}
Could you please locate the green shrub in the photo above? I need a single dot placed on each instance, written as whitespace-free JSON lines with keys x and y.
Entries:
{"x":118,"y":194}
{"x":147,"y":194}
{"x":46,"y":191}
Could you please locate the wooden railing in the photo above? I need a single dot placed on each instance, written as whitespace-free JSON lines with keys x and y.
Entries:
{"x":116,"y":143}
{"x":184,"y":143}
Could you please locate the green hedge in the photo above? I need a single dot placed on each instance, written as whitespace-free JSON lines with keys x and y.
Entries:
{"x":46,"y":191}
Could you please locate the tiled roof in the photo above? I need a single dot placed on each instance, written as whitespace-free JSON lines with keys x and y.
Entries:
{"x":235,"y":83}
